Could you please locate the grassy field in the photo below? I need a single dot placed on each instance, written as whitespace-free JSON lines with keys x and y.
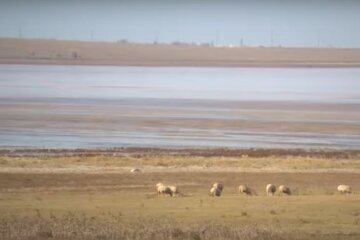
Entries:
{"x":42,"y":197}
{"x":321,"y":215}
{"x":242,"y":162}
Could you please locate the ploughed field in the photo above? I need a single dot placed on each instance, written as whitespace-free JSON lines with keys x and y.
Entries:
{"x":84,"y":195}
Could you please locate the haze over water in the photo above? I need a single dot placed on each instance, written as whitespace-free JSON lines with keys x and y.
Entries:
{"x":79,"y":106}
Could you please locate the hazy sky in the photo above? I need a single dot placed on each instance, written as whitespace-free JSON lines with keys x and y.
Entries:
{"x":257,"y":22}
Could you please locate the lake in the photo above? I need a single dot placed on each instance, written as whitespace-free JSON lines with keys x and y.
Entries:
{"x":179,"y":107}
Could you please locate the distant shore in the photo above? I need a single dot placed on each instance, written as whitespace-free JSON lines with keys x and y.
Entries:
{"x":55,"y":52}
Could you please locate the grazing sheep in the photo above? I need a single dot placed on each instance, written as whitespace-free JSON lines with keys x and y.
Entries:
{"x":159,"y":188}
{"x":174,"y":190}
{"x":135,"y":170}
{"x":216,"y":189}
{"x":219,"y":186}
{"x":245,"y":190}
{"x":215,"y":192}
{"x":159,"y":184}
{"x":163,"y":190}
{"x":284,"y":190}
{"x":343,"y":189}
{"x":270,"y":189}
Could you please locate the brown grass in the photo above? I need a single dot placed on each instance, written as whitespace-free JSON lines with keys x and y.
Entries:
{"x":119,"y":205}
{"x":111,"y":214}
{"x":111,"y":226}
{"x":101,"y":163}
{"x":189,"y":182}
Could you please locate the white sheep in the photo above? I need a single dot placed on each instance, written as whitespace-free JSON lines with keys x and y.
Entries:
{"x":162,"y":189}
{"x":219,"y":186}
{"x":245,"y":190}
{"x":216,"y":189}
{"x":135,"y":170}
{"x":159,"y":187}
{"x":270,"y":189}
{"x":284,"y":190}
{"x":343,"y":189}
{"x":215,"y":192}
{"x":174,"y":190}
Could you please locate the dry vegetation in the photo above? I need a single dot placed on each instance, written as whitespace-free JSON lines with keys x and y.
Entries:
{"x":183,"y":159}
{"x":195,"y":163}
{"x":117,"y":214}
{"x":72,"y":226}
{"x":111,"y":226}
{"x":112,"y":203}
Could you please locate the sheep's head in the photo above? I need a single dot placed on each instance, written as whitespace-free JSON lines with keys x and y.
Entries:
{"x":159,"y":185}
{"x":218,"y":186}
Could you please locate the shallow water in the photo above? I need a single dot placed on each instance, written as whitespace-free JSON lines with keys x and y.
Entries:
{"x":79,"y":106}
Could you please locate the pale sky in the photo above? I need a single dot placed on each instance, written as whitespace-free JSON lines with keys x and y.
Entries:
{"x":323,"y":23}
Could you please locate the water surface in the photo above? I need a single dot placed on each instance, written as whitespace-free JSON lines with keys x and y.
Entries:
{"x":82,"y":107}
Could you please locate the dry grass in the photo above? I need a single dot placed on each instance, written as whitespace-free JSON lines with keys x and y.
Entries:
{"x":277,"y":163}
{"x":121,"y":205}
{"x":112,"y":226}
{"x":302,"y":183}
{"x":109,"y":214}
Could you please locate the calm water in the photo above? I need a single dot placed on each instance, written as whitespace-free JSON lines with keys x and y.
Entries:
{"x":77,"y":106}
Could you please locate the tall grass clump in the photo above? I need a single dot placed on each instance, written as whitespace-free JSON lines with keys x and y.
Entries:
{"x":112,"y":226}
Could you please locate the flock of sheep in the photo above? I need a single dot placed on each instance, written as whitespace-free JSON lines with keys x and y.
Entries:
{"x":217,"y":189}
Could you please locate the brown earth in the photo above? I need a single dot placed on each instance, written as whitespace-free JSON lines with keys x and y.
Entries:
{"x":24,"y":51}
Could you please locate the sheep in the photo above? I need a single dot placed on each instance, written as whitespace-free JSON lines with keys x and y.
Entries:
{"x":284,"y":190}
{"x":162,"y":189}
{"x":270,"y":189}
{"x":174,"y":189}
{"x":135,"y":170}
{"x":159,"y":188}
{"x":343,"y":189}
{"x":219,"y":186}
{"x":215,"y":192}
{"x":216,"y":189}
{"x":245,"y":190}
{"x":159,"y":184}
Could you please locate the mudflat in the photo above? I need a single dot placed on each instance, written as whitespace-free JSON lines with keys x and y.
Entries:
{"x":74,"y":123}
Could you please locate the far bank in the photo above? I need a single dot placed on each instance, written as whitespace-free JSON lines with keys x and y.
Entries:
{"x":56,"y":52}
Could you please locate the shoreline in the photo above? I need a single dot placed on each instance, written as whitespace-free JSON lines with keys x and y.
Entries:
{"x":78,"y":53}
{"x":114,"y":63}
{"x":180,"y":152}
